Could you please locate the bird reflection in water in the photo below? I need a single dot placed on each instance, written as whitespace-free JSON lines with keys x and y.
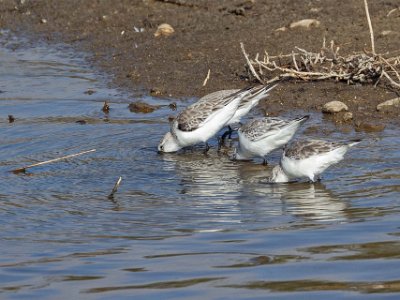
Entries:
{"x":236,"y":188}
{"x":310,"y":201}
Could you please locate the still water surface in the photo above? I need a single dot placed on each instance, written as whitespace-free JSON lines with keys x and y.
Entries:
{"x":182,"y":225}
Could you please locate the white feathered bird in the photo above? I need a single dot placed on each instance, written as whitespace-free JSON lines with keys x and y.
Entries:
{"x":309,"y":158}
{"x":202,"y":120}
{"x":261,"y":136}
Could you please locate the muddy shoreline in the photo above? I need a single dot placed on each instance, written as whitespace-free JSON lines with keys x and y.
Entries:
{"x":119,"y":35}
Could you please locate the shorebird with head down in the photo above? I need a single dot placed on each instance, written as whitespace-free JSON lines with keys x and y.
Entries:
{"x":309,"y":158}
{"x":261,"y":136}
{"x":205,"y":118}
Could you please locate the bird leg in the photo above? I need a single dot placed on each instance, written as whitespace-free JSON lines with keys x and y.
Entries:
{"x":227,"y":133}
{"x":220,"y":143}
{"x":207,"y":148}
{"x":265,"y":163}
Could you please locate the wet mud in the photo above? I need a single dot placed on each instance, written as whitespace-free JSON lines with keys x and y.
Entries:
{"x":120,"y":36}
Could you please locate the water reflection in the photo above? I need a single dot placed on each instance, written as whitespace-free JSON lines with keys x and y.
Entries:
{"x":308,"y":201}
{"x":241,"y":189}
{"x":204,"y":175}
{"x":180,"y":225}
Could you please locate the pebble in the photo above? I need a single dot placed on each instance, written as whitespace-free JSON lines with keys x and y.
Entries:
{"x":106,"y":107}
{"x":387,"y":32}
{"x":142,"y":107}
{"x":369,"y":127}
{"x":164,"y":30}
{"x":306,"y":23}
{"x":89,"y":92}
{"x":388,"y":104}
{"x":334,"y":107}
{"x":347,"y":116}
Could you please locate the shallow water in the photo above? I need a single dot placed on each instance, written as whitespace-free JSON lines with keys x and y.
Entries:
{"x":184,"y":225}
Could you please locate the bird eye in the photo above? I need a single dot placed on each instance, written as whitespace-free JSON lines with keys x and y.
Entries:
{"x":162,"y":148}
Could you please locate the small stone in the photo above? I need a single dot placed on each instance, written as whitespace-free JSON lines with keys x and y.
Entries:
{"x":11,"y":119}
{"x":239,"y":11}
{"x":106,"y":107}
{"x":334,"y":107}
{"x":89,"y":92}
{"x":306,"y":23}
{"x":173,"y":106}
{"x":388,"y":104}
{"x":281,"y":29}
{"x":142,"y":107}
{"x":43,"y":21}
{"x":155,"y":92}
{"x":347,"y":116}
{"x":81,"y":122}
{"x":164,"y":30}
{"x":133,"y":74}
{"x":387,"y":32}
{"x":342,"y":117}
{"x":369,"y":127}
{"x":315,"y":9}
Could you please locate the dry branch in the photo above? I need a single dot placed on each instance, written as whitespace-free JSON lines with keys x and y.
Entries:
{"x":115,"y":188}
{"x":23,"y":169}
{"x":363,"y":67}
{"x":370,"y":27}
{"x":327,"y":64}
{"x":207,"y":77}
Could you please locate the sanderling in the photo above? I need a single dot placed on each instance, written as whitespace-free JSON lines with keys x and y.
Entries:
{"x":308,"y":159}
{"x":203,"y":119}
{"x":259,"y":137}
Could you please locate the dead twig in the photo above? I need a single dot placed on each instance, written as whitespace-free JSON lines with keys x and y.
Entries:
{"x":392,"y":11}
{"x":115,"y":188}
{"x":207,"y":77}
{"x":371,"y":32}
{"x":23,"y":169}
{"x":250,"y":64}
{"x":328,"y":64}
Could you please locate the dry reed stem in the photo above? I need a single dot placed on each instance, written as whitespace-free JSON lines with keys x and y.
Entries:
{"x":370,"y":27}
{"x":23,"y":169}
{"x":249,"y":64}
{"x":115,"y":188}
{"x":207,"y":77}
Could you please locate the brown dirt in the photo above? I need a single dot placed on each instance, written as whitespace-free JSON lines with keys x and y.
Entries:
{"x":207,"y":36}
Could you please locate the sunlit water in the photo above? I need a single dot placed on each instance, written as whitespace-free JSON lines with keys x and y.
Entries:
{"x":180,"y":226}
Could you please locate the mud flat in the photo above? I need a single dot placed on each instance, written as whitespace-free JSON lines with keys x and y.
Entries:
{"x":206,"y":37}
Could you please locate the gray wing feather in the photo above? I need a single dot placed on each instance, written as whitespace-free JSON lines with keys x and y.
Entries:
{"x":194,"y":115}
{"x":305,"y":149}
{"x":261,"y":128}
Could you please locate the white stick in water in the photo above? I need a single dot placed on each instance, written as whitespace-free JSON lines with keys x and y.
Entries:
{"x":116,"y":185}
{"x":23,"y":169}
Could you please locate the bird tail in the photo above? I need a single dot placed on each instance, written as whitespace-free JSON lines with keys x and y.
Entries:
{"x":354,"y":142}
{"x":302,"y":119}
{"x":260,"y":92}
